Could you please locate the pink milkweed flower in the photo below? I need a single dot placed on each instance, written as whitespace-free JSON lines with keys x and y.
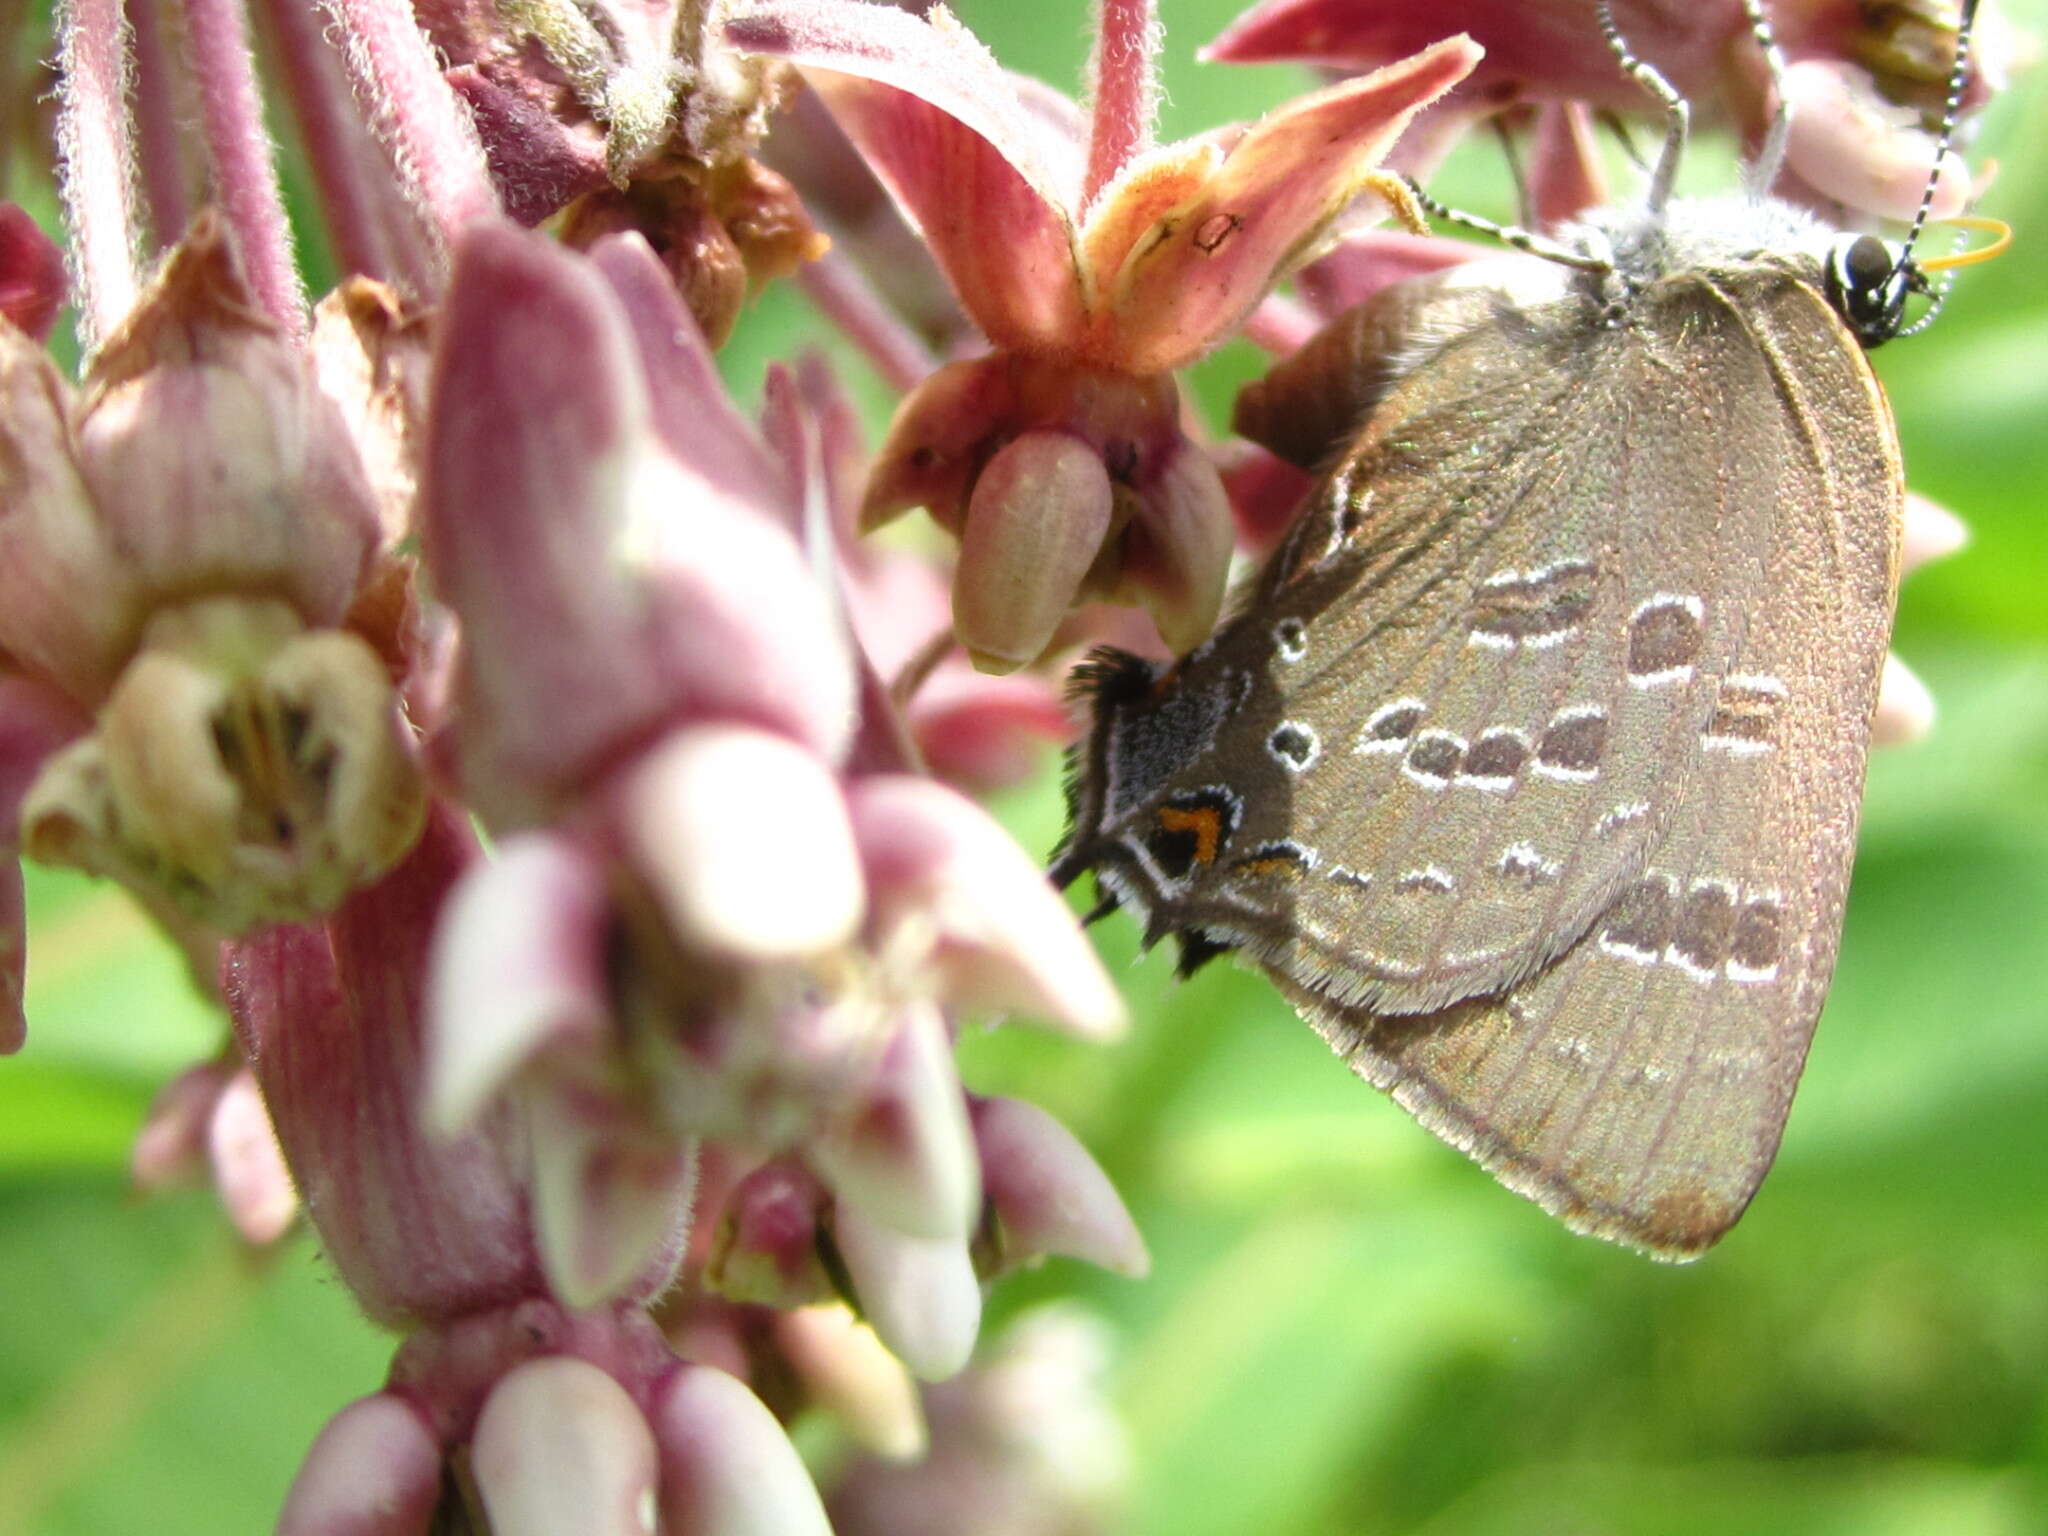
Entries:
{"x":701,"y":920}
{"x":1094,"y":270}
{"x":1865,"y":83}
{"x":557,"y":1419}
{"x":201,"y":688}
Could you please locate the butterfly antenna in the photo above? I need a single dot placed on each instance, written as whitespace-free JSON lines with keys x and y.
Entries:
{"x":1958,"y":78}
{"x":1677,"y":115}
{"x":1771,"y":159}
{"x":1507,"y":234}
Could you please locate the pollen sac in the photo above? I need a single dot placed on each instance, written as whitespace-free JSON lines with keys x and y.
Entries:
{"x":243,"y":771}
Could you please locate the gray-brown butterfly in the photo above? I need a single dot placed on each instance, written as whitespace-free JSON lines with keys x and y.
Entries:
{"x":1530,"y":766}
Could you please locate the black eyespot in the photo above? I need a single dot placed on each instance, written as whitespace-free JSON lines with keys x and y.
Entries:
{"x":1867,"y":283}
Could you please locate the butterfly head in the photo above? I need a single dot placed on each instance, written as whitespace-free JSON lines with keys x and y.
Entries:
{"x":1868,"y":283}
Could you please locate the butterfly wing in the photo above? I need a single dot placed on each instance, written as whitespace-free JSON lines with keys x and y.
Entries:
{"x":1637,"y":1086}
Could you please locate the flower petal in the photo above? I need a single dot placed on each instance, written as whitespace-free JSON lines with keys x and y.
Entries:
{"x":846,"y":1371}
{"x":1849,"y":143}
{"x":518,"y":965}
{"x":719,"y":818}
{"x":1905,"y":707}
{"x":560,"y":1446}
{"x":919,"y":1294}
{"x":611,"y":1205}
{"x":521,"y":504}
{"x":1049,"y":1195}
{"x":375,"y":1470}
{"x":906,"y":1156}
{"x":248,"y":1168}
{"x":1932,"y":533}
{"x":1006,"y":938}
{"x":727,"y":1467}
{"x":1035,"y":524}
{"x":1275,"y":192}
{"x":68,"y":602}
{"x":331,"y":1020}
{"x":939,"y":123}
{"x":691,"y":410}
{"x":1177,"y":548}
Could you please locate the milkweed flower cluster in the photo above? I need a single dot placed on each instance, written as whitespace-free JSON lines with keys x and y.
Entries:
{"x":569,"y":806}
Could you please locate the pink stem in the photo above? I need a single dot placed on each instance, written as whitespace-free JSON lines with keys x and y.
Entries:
{"x":159,"y":143}
{"x":428,"y":130}
{"x":98,"y":162}
{"x":244,"y":162}
{"x":344,"y":162}
{"x":1126,"y":90}
{"x":849,"y":301}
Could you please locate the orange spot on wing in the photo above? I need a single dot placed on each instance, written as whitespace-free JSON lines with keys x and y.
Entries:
{"x":1202,"y":820}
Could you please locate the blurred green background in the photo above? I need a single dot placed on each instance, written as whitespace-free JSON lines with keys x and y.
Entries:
{"x":1348,"y":1330}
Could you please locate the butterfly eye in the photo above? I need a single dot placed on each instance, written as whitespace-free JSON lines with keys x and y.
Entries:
{"x":1867,"y":283}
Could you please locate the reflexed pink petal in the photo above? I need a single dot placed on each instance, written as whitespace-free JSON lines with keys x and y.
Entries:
{"x":611,"y":1205}
{"x":919,"y":1294}
{"x":1177,"y":549}
{"x":983,"y":733}
{"x":1360,"y":265}
{"x":1849,"y":143}
{"x":847,"y":1372}
{"x":1265,"y":492}
{"x":1276,"y":191}
{"x":522,"y":501}
{"x":1035,"y":524}
{"x":691,"y":410}
{"x":719,"y":818}
{"x":518,"y":966}
{"x":1553,"y":45}
{"x":31,"y":273}
{"x":1007,"y":940}
{"x":727,"y":1467}
{"x":1049,"y":1195}
{"x":374,"y":1471}
{"x":330,"y":1018}
{"x":173,"y":1136}
{"x":1565,"y":176}
{"x":906,"y":1157}
{"x":937,"y":121}
{"x":561,"y":1447}
{"x":1932,"y":532}
{"x":248,"y":1168}
{"x":1905,"y":708}
{"x":741,"y":625}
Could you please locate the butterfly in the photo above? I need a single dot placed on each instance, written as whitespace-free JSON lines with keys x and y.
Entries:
{"x":1529,"y":767}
